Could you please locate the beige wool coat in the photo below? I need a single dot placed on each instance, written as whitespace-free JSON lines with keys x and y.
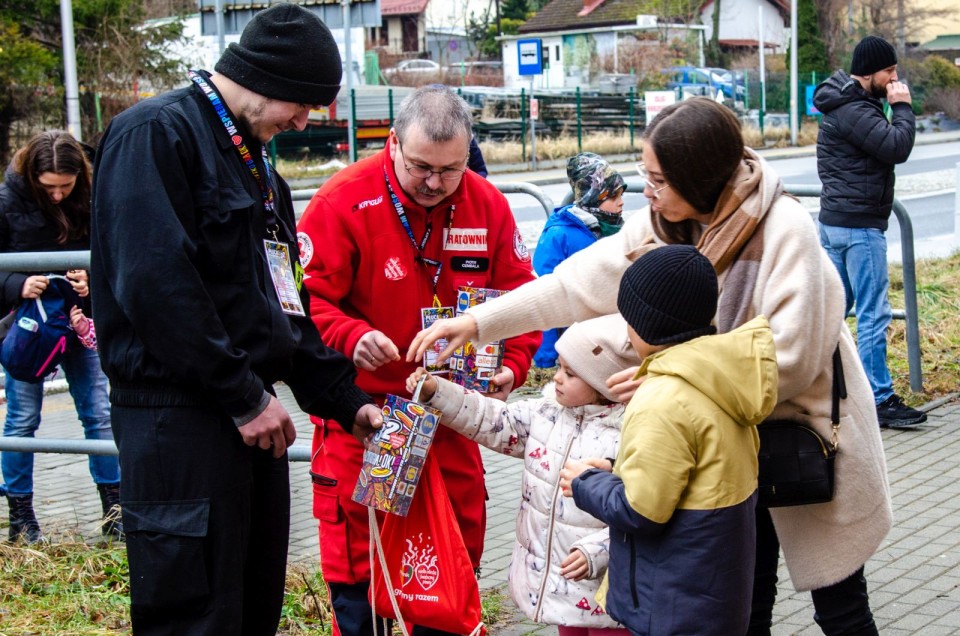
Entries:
{"x":798,"y":289}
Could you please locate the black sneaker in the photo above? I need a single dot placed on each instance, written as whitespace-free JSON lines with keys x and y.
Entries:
{"x":893,"y":413}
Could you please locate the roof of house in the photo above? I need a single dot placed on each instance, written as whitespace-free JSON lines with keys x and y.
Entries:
{"x":943,"y":43}
{"x":561,"y":15}
{"x":402,"y":7}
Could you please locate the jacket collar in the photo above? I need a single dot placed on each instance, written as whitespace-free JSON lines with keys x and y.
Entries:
{"x":220,"y":132}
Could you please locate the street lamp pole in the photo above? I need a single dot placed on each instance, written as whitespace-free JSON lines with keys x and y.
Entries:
{"x":794,"y":125}
{"x":70,"y":70}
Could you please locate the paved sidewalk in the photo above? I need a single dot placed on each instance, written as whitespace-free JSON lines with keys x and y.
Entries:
{"x":914,"y":578}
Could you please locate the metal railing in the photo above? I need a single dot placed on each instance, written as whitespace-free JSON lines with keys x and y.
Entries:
{"x":909,"y":313}
{"x":39,"y":261}
{"x":55,"y":261}
{"x":506,"y":188}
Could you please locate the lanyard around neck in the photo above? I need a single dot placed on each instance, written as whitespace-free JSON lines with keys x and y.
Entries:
{"x":266,"y":191}
{"x":418,"y":247}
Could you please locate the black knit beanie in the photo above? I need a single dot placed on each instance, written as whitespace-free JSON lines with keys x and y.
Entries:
{"x":872,"y":54}
{"x":285,"y":53}
{"x":669,"y":295}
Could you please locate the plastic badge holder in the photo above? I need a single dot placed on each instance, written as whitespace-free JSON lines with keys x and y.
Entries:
{"x":473,"y":365}
{"x":394,"y":458}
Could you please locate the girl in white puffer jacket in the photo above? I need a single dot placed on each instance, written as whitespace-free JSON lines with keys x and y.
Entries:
{"x":561,"y":552}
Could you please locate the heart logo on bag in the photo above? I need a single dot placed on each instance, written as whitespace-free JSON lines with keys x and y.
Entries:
{"x":406,"y":574}
{"x":427,"y":575}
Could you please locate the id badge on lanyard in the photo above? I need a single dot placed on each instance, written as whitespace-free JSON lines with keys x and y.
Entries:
{"x":428,"y":316}
{"x":281,"y":272}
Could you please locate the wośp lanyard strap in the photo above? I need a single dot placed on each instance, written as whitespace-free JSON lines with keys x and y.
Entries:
{"x":266,"y":191}
{"x":402,"y":215}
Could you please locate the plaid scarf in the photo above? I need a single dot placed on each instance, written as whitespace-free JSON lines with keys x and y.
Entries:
{"x":731,"y":240}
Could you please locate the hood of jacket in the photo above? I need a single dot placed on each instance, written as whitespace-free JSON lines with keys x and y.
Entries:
{"x":570,"y":216}
{"x":840,"y":89}
{"x":736,"y":370}
{"x":15,"y":182}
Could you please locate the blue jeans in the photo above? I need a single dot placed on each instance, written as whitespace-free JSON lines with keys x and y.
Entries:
{"x":860,"y":255}
{"x":88,"y":387}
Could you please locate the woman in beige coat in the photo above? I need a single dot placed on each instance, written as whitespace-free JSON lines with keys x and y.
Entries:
{"x":706,"y":189}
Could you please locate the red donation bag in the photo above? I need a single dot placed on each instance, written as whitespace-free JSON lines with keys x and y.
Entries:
{"x":428,"y":568}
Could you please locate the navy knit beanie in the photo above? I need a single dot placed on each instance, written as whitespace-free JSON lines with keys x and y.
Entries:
{"x":669,"y":295}
{"x":285,"y":53}
{"x":872,"y":54}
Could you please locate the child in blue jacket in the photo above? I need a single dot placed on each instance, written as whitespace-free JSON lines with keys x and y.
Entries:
{"x":596,"y":212}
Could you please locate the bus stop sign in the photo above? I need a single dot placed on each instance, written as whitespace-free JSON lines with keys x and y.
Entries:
{"x":530,"y":57}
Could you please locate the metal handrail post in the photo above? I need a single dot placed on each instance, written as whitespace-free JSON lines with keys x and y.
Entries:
{"x":910,"y":296}
{"x":105,"y":447}
{"x":528,"y":188}
{"x":44,"y":261}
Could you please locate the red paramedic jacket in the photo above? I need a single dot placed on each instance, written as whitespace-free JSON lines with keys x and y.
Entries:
{"x":362,"y":272}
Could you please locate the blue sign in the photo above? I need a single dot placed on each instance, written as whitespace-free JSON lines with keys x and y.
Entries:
{"x":530,"y":58}
{"x":811,"y":109}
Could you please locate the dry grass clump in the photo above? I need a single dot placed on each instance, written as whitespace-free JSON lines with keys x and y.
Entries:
{"x":64,"y":588}
{"x":938,"y":291}
{"x":779,"y":136}
{"x":561,"y":147}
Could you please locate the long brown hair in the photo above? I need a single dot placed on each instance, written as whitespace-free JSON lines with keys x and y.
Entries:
{"x":699,"y":145}
{"x":58,"y":152}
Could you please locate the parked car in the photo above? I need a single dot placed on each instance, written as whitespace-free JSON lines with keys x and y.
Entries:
{"x":730,"y":82}
{"x":414,"y":67}
{"x":692,"y":80}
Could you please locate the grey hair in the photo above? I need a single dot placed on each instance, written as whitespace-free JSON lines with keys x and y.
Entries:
{"x":440,"y":113}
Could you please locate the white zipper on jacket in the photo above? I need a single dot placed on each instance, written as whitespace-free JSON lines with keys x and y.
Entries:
{"x":553,"y":509}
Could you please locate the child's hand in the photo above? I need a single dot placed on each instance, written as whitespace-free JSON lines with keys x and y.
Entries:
{"x":80,"y":281}
{"x":78,"y":321}
{"x":622,"y":385}
{"x":599,"y":462}
{"x":429,"y":384}
{"x":575,"y":566}
{"x":570,"y":471}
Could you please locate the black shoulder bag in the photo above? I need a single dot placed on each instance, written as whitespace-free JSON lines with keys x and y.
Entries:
{"x":796,"y":462}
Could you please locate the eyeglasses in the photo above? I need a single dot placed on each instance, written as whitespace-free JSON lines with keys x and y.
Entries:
{"x":642,"y":171}
{"x":422,"y":172}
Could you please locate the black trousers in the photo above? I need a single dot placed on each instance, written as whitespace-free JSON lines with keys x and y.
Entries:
{"x":841,"y":609}
{"x":207,"y":520}
{"x":352,"y":610}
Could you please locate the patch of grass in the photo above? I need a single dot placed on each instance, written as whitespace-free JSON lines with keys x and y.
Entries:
{"x":64,"y":588}
{"x":938,"y":305}
{"x":491,"y":606}
{"x":72,"y":588}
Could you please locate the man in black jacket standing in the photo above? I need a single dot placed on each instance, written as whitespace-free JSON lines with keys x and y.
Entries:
{"x":857,"y":149}
{"x":200,"y":309}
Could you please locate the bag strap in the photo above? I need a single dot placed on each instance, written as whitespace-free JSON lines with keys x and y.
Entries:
{"x":839,"y":392}
{"x":376,"y":546}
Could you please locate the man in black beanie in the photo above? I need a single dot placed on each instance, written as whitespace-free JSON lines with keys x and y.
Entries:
{"x":680,"y":500}
{"x":200,"y":307}
{"x":857,"y":149}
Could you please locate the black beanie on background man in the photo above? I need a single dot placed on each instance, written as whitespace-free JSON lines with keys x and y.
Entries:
{"x":872,"y":54}
{"x":285,"y":53}
{"x":669,"y":295}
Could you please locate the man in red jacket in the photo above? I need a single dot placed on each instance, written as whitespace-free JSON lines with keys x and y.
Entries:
{"x":381,"y":240}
